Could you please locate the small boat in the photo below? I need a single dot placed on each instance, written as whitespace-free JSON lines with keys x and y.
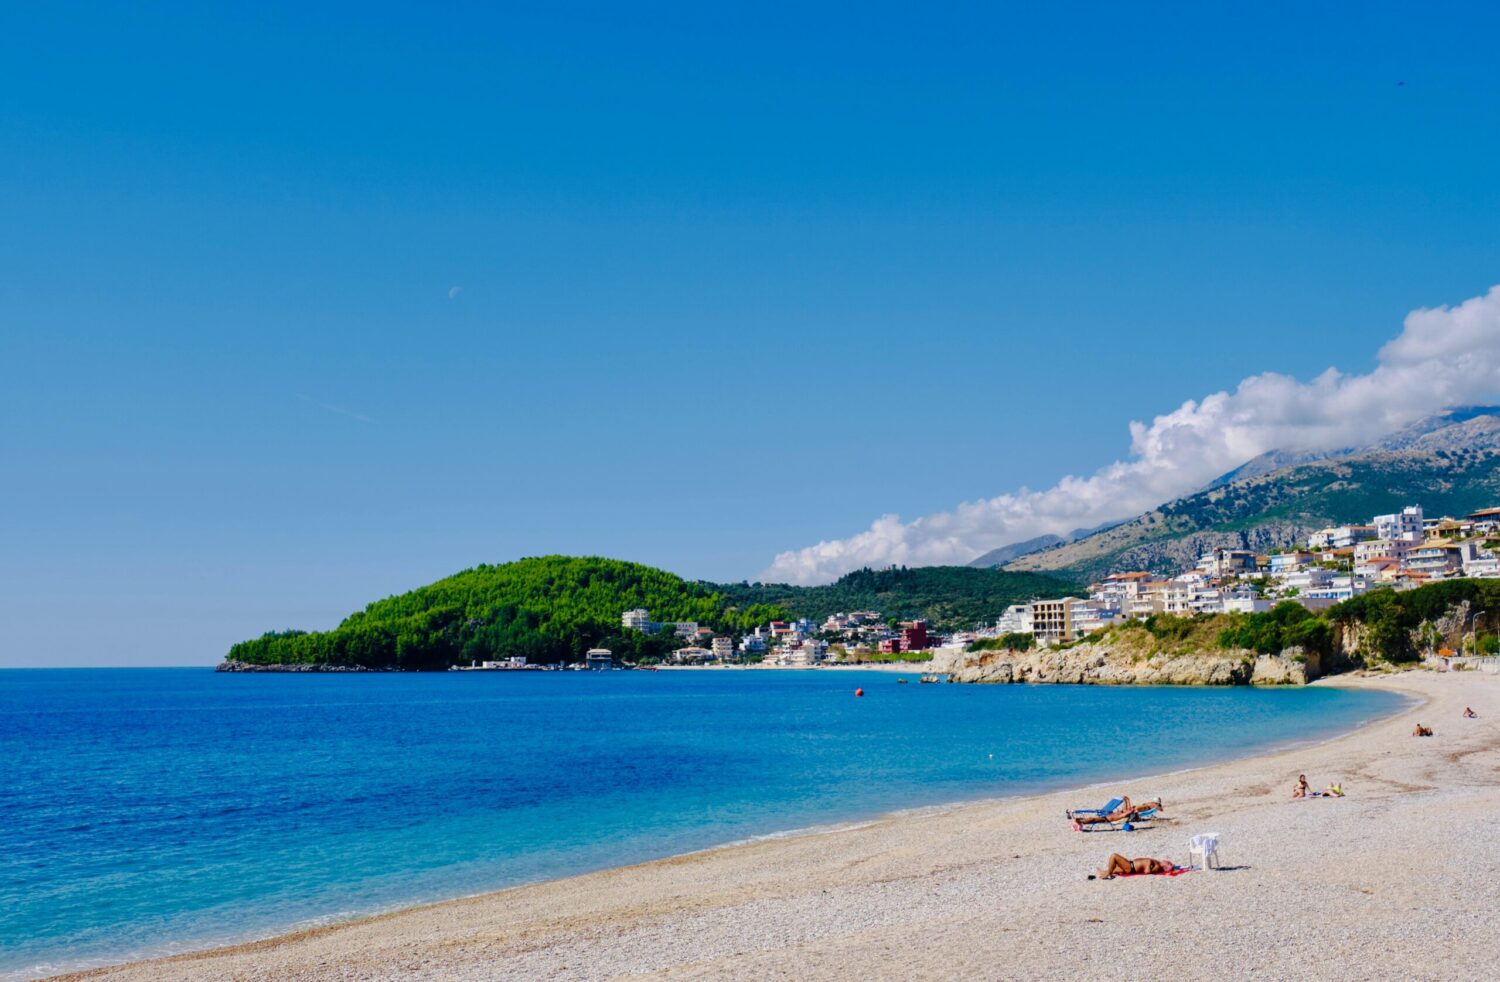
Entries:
{"x":901,"y":681}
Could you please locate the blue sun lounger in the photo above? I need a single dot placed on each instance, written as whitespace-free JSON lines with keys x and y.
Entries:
{"x":1106,"y":810}
{"x":1126,"y":824}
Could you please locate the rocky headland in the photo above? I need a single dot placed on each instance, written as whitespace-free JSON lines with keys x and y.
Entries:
{"x":1103,"y":664}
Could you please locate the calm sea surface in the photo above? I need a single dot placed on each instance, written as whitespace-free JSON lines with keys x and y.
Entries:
{"x":150,"y":811}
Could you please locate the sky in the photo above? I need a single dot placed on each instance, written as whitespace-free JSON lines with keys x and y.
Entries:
{"x":305,"y":305}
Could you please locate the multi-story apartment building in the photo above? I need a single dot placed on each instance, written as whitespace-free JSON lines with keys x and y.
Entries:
{"x":1437,"y":558}
{"x":1053,"y":620}
{"x":1405,"y":525}
{"x":1228,"y":562}
{"x":1015,"y":620}
{"x":1342,"y":536}
{"x":914,"y":636}
{"x":1282,"y":563}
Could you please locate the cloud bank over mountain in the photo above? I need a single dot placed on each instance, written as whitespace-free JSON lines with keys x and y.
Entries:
{"x":1444,"y":356}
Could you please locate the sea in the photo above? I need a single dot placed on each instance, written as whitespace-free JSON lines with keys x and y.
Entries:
{"x":151,"y":811}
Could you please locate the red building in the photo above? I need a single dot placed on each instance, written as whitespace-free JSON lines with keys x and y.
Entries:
{"x":914,"y":636}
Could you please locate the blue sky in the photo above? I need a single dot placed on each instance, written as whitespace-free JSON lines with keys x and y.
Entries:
{"x":730,"y":281}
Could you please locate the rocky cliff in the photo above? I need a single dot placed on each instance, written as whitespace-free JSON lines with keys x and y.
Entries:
{"x":1100,"y":664}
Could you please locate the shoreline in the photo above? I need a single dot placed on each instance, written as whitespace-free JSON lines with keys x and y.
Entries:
{"x":777,"y":849}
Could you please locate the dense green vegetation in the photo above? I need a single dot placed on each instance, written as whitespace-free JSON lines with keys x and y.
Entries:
{"x":1005,"y":642}
{"x":554,"y":608}
{"x":878,"y":657}
{"x":1398,"y":626}
{"x":1286,"y":625}
{"x":950,"y":598}
{"x":547,"y":610}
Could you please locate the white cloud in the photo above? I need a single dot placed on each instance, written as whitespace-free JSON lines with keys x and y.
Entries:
{"x":1444,"y":356}
{"x":454,"y":291}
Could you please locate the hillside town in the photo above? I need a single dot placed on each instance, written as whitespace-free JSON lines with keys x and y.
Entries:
{"x":1401,"y":551}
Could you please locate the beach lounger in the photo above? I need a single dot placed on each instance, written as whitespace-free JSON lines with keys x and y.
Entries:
{"x":1125,"y":824}
{"x":1107,"y":809}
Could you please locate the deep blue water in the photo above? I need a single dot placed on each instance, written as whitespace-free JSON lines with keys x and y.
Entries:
{"x":145,"y":811}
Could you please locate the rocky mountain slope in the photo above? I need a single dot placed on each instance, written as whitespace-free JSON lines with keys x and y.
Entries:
{"x":1449,"y":463}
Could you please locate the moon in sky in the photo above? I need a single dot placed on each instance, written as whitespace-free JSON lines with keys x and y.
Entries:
{"x":454,"y":291}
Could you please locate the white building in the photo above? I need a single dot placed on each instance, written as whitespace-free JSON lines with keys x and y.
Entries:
{"x":753,"y":643}
{"x":1396,"y":549}
{"x":692,"y":655}
{"x":1015,"y":620}
{"x":599,"y":658}
{"x":1285,"y":562}
{"x":1244,"y":602}
{"x":636,"y":620}
{"x":1306,"y":579}
{"x":1090,"y":616}
{"x":1437,"y":558}
{"x":803,"y":654}
{"x":1342,"y":536}
{"x":687,"y":630}
{"x":1227,"y":562}
{"x":1405,"y":526}
{"x":723,"y":648}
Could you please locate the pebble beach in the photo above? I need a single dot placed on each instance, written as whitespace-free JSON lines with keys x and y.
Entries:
{"x":1395,"y":880}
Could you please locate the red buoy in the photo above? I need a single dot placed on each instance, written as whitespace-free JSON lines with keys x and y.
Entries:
{"x":859,"y":692}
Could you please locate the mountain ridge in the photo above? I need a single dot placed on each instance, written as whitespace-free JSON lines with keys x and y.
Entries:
{"x":1447,"y":462}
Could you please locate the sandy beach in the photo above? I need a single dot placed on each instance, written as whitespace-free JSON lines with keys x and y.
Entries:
{"x":1395,"y":880}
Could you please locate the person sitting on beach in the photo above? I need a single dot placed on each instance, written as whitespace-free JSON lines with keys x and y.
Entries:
{"x":1120,"y":866}
{"x":1422,"y":730}
{"x":1300,"y":789}
{"x":1470,"y":714}
{"x":1125,"y":813}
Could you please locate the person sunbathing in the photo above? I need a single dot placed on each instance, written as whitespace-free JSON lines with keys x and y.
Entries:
{"x":1125,"y":813}
{"x":1145,"y":866}
{"x":1470,"y":714}
{"x":1300,"y":789}
{"x":1422,"y":730}
{"x":1334,"y":791}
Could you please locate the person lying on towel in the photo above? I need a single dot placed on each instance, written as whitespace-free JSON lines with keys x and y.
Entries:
{"x":1145,"y":866}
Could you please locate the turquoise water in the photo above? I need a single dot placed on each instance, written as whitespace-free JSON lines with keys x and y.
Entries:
{"x":149,"y":811}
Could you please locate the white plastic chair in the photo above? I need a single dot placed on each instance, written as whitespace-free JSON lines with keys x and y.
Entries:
{"x":1203,"y":850}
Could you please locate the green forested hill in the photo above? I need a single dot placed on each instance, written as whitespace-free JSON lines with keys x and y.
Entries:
{"x":951,"y":598}
{"x":547,"y":609}
{"x":554,"y":608}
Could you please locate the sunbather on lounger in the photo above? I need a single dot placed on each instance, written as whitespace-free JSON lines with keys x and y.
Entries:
{"x":1118,"y":865}
{"x":1126,"y":813}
